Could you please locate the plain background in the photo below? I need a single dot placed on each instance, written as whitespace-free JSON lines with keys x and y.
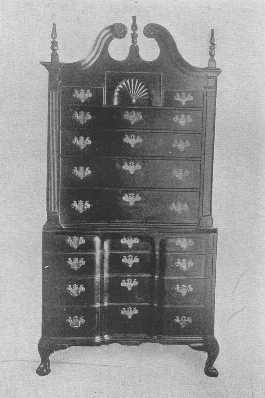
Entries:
{"x":238,"y":198}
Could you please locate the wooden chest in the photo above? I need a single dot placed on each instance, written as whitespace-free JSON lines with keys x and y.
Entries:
{"x":129,"y":248}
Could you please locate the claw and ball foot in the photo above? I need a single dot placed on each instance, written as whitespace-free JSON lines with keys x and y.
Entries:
{"x":210,"y":346}
{"x":45,"y":350}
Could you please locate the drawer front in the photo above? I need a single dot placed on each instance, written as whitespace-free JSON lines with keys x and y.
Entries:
{"x":131,"y":263}
{"x":81,"y":96}
{"x":128,"y":242}
{"x":70,"y":264}
{"x":89,"y":144}
{"x":183,"y":322}
{"x":72,"y":291}
{"x":189,"y":243}
{"x":69,"y":322}
{"x":183,"y":98}
{"x":184,"y":291}
{"x":72,"y":242}
{"x":79,"y":207}
{"x":128,"y":319}
{"x":178,"y":264}
{"x":129,"y":289}
{"x":118,"y":173}
{"x":83,"y":119}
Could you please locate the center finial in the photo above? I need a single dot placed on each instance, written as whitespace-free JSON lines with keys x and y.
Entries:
{"x":134,"y":33}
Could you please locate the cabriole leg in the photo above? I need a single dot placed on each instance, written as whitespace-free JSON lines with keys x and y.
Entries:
{"x":45,"y":349}
{"x":210,"y":346}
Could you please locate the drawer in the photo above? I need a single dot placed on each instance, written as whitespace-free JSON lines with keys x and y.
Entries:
{"x":81,"y":206}
{"x":71,"y":291}
{"x":127,"y":243}
{"x":129,"y":289}
{"x":84,"y":119}
{"x":69,"y":322}
{"x":70,"y":242}
{"x":127,"y":172}
{"x":128,"y":319}
{"x":184,"y":291}
{"x":183,"y":98}
{"x":128,"y":143}
{"x":189,"y":243}
{"x":81,"y":96}
{"x":183,"y":322}
{"x":70,"y":264}
{"x":130,"y":262}
{"x":178,"y":264}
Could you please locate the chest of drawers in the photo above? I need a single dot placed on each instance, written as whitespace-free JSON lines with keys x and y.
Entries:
{"x":129,"y":248}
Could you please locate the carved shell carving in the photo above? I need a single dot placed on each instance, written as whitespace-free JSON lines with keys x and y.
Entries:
{"x":135,"y":89}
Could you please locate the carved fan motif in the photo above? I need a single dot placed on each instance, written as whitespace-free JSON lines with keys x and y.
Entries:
{"x":130,"y":91}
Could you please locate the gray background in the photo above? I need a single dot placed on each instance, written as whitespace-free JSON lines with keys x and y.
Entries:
{"x":238,"y":198}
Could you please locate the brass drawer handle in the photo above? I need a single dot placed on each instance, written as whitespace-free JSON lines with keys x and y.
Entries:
{"x":181,"y":145}
{"x":184,"y":243}
{"x":179,"y":207}
{"x":182,"y":119}
{"x":81,"y":206}
{"x":129,"y":241}
{"x":129,"y":283}
{"x":76,"y":321}
{"x":132,"y":139}
{"x":81,"y":142}
{"x":82,"y":95}
{"x":81,"y":172}
{"x":76,"y":263}
{"x":130,"y":260}
{"x":183,"y":320}
{"x":82,"y":117}
{"x":75,"y":241}
{"x":131,"y":198}
{"x":75,"y":290}
{"x":183,"y":289}
{"x":183,"y":97}
{"x":131,"y":167}
{"x":129,"y":312}
{"x":184,"y":264}
{"x":132,"y":116}
{"x":181,"y":174}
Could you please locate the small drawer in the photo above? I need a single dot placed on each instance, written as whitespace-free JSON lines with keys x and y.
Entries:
{"x":71,"y":291}
{"x":183,"y":98}
{"x":189,"y":243}
{"x":130,"y":262}
{"x":81,"y":95}
{"x":70,"y":242}
{"x":128,"y":242}
{"x":128,"y":319}
{"x":128,"y":172}
{"x":142,"y":143}
{"x":70,"y":264}
{"x":183,"y":322}
{"x":184,"y":291}
{"x":69,"y":322}
{"x":129,"y":289}
{"x":178,"y":264}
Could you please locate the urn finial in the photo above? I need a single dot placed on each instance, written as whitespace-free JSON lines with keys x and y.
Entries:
{"x":212,"y":62}
{"x":54,"y":45}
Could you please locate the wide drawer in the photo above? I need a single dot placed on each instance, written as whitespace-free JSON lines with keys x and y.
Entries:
{"x":183,"y":322}
{"x":69,"y":322}
{"x":189,"y":243}
{"x":178,"y":264}
{"x":184,"y":291}
{"x":128,"y":242}
{"x":130,"y":144}
{"x":70,"y":242}
{"x":71,"y":291}
{"x":70,"y":264}
{"x":130,"y":262}
{"x":131,"y":118}
{"x":129,"y":289}
{"x":81,"y":96}
{"x":83,"y":206}
{"x":128,"y":319}
{"x":183,"y":98}
{"x":105,"y":172}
